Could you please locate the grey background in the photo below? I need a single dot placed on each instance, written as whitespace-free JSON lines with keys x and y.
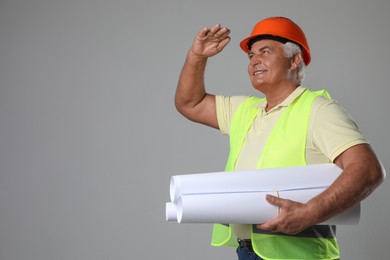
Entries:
{"x":89,"y":135}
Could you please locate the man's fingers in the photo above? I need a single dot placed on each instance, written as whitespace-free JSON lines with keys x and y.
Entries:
{"x":269,"y":226}
{"x":203,"y":32}
{"x":215,"y":33}
{"x":224,"y":42}
{"x":221,"y":34}
{"x":274,"y":200}
{"x":214,"y":29}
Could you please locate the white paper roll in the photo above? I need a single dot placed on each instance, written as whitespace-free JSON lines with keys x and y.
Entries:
{"x":239,"y":197}
{"x":170,"y":212}
{"x":244,"y":208}
{"x":286,"y":178}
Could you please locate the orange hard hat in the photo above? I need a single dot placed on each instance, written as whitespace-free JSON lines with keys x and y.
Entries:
{"x":278,"y":28}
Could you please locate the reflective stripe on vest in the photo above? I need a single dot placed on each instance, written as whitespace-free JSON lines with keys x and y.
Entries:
{"x":282,"y":149}
{"x":313,"y":231}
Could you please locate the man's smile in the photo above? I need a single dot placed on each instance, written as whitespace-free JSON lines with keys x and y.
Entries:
{"x":259,"y":72}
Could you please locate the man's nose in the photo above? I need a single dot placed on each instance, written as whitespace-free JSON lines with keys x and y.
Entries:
{"x":256,"y":59}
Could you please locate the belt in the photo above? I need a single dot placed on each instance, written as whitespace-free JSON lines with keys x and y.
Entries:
{"x":245,"y":243}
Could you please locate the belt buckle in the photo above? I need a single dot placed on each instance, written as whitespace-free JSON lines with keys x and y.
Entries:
{"x":247,"y":244}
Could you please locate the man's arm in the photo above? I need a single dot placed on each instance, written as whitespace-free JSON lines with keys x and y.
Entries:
{"x":362,"y":173}
{"x":191,"y":99}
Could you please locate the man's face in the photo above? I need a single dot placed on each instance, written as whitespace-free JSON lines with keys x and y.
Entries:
{"x":268,"y":66}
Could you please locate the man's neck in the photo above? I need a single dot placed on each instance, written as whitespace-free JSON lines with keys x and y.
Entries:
{"x":278,"y":95}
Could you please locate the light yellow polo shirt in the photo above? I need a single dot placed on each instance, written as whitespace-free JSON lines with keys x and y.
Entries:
{"x":331,"y":132}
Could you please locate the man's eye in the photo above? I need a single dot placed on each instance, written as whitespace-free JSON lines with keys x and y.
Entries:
{"x":250,"y":56}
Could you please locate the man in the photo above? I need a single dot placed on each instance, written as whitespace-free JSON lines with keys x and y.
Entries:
{"x":290,"y":126}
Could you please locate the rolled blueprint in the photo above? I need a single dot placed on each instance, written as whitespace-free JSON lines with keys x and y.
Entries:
{"x":170,"y":212}
{"x":244,"y":208}
{"x":285,"y":178}
{"x":248,"y":208}
{"x":239,"y":197}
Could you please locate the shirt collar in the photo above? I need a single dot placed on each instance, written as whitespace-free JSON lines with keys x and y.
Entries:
{"x":296,"y":93}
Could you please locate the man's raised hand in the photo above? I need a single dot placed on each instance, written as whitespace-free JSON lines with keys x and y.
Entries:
{"x":210,"y":41}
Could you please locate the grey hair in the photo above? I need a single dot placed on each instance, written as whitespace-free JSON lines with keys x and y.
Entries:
{"x":290,"y":50}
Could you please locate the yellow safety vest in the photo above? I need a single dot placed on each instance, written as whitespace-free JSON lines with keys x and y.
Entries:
{"x":286,"y":146}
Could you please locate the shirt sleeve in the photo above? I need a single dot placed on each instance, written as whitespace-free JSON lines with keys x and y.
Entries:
{"x":226,"y":107}
{"x":334,"y":130}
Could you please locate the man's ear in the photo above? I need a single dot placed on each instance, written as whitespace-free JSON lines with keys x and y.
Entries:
{"x":295,"y":61}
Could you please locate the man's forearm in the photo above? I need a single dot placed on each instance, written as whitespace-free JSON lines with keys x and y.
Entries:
{"x":359,"y":179}
{"x":190,"y":89}
{"x":191,"y":99}
{"x":362,"y":173}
